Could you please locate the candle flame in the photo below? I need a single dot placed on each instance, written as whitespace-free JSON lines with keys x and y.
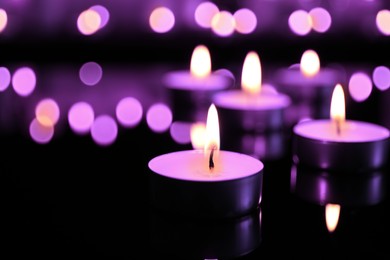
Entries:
{"x":332,"y":214}
{"x":212,"y":134}
{"x":200,"y":62}
{"x":337,"y":106}
{"x":310,"y":63}
{"x":251,"y":74}
{"x":198,"y":134}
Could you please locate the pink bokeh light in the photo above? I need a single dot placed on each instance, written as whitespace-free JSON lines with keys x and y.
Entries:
{"x":24,"y":81}
{"x":383,"y":21}
{"x":246,"y":21}
{"x":47,"y":112}
{"x":300,"y":22}
{"x":129,"y":112}
{"x":159,"y":117}
{"x":3,"y":20}
{"x":181,"y":132}
{"x":321,"y":19}
{"x":223,"y":24}
{"x":80,"y":117}
{"x":5,"y":78}
{"x":103,"y":13}
{"x":39,"y":133}
{"x":89,"y":22}
{"x":161,"y":20}
{"x":104,"y":130}
{"x":360,"y":86}
{"x":381,"y":77}
{"x":204,"y":13}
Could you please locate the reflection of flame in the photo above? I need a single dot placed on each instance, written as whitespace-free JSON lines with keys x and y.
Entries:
{"x":198,"y":135}
{"x":332,"y":214}
{"x":200,"y":62}
{"x":251,"y":74}
{"x":310,"y":63}
{"x":337,"y":106}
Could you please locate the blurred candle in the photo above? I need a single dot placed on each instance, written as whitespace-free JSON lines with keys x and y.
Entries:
{"x":190,"y":92}
{"x":309,"y":86}
{"x":252,"y":108}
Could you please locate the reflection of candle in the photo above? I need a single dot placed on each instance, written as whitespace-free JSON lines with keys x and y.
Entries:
{"x":309,"y":86}
{"x":211,"y":239}
{"x":190,"y":91}
{"x":252,"y":108}
{"x":209,"y":182}
{"x":340,"y":143}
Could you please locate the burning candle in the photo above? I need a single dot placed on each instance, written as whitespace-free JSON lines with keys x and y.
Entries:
{"x":253,"y":108}
{"x":309,"y":86}
{"x":209,"y":182}
{"x":339,"y":143}
{"x":190,"y":92}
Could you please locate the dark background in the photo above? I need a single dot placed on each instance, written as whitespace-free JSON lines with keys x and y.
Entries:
{"x":72,"y":197}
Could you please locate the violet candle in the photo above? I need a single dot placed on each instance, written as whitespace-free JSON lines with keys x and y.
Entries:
{"x":251,"y":109}
{"x":209,"y":183}
{"x":309,"y":86}
{"x":190,"y":92}
{"x":340,"y":143}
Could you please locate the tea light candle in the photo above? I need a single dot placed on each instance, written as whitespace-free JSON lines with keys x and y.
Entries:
{"x":340,"y":143}
{"x":309,"y":86}
{"x":190,"y":91}
{"x":251,"y":109}
{"x":208,"y":183}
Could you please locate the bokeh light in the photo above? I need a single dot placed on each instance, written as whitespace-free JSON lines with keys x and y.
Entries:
{"x":3,"y":20}
{"x":89,"y":22}
{"x":47,"y":112}
{"x":24,"y":81}
{"x":104,"y":130}
{"x":360,"y":86}
{"x":90,"y":73}
{"x":40,"y":133}
{"x":223,"y":24}
{"x":129,"y":112}
{"x":245,"y":21}
{"x":159,"y":117}
{"x":321,"y":19}
{"x":81,"y":117}
{"x":161,"y":20}
{"x":180,"y":132}
{"x":204,"y":13}
{"x":300,"y":22}
{"x":198,"y":135}
{"x":381,"y":77}
{"x":383,"y":21}
{"x":5,"y":78}
{"x":103,"y":13}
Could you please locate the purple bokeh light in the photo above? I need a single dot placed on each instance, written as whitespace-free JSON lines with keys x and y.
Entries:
{"x":246,"y":21}
{"x":129,"y":112}
{"x":103,"y":13}
{"x":5,"y":78}
{"x":204,"y":13}
{"x":47,"y":112}
{"x":181,"y":132}
{"x":300,"y":22}
{"x":90,"y":73}
{"x":159,"y":117}
{"x":321,"y":19}
{"x":40,"y":133}
{"x":24,"y":81}
{"x":381,"y":77}
{"x":161,"y":20}
{"x":81,"y":117}
{"x":360,"y":86}
{"x":104,"y":130}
